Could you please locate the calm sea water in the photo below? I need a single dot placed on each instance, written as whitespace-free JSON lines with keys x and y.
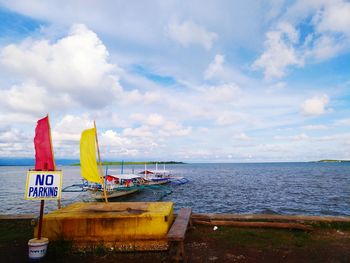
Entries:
{"x":274,"y":188}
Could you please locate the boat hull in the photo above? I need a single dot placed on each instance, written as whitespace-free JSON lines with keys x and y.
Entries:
{"x":157,"y":182}
{"x":99,"y":195}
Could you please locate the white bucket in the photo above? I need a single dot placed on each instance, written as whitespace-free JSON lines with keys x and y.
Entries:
{"x":37,"y":248}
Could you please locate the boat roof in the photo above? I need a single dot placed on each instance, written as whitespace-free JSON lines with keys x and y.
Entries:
{"x":124,"y":176}
{"x":154,"y":172}
{"x":147,"y":172}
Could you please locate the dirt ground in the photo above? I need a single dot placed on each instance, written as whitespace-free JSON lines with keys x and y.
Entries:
{"x":203,"y":244}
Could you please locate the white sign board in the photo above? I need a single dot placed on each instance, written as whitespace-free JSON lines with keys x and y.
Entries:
{"x":42,"y":185}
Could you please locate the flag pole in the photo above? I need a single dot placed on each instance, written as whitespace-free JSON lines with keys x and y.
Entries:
{"x":53,"y":158}
{"x":41,"y":218}
{"x":100,"y":165}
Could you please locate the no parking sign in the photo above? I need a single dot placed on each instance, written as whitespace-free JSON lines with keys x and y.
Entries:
{"x":43,"y":185}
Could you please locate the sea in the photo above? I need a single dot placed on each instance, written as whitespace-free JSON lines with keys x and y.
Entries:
{"x":238,"y":188}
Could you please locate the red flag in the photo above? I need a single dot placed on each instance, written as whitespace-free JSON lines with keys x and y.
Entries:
{"x":44,"y":160}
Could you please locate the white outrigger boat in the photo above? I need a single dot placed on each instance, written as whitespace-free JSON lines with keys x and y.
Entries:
{"x":159,"y":177}
{"x":155,"y":177}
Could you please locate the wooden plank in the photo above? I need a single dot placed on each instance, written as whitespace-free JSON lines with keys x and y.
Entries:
{"x":256,"y":224}
{"x":263,"y":217}
{"x":178,"y":229}
{"x":19,"y":216}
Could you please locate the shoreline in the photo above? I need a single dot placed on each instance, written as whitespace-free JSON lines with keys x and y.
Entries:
{"x":228,"y":217}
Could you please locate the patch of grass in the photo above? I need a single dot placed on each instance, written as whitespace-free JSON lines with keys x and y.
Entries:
{"x":300,"y":238}
{"x":261,"y":238}
{"x":100,"y":249}
{"x":59,"y":249}
{"x":11,"y":230}
{"x":345,"y":226}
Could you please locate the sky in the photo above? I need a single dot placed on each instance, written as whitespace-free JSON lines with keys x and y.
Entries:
{"x":191,"y":81}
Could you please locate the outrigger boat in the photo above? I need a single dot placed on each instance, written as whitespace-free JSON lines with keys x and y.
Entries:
{"x":116,"y":186}
{"x":155,"y":177}
{"x":159,"y":177}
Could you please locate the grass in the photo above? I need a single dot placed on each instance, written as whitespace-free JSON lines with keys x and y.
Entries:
{"x":12,"y":230}
{"x":344,"y":226}
{"x":260,"y":238}
{"x":59,"y":248}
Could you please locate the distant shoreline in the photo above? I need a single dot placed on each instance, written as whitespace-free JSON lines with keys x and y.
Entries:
{"x":75,"y":162}
{"x":332,"y":161}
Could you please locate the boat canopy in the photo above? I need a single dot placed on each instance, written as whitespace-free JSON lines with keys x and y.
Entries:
{"x":123,"y":176}
{"x":146,"y":172}
{"x":155,"y":172}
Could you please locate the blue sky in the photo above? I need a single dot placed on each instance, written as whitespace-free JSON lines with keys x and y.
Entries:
{"x":193,"y":81}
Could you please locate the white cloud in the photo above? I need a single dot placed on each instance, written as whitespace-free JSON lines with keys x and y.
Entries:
{"x":214,"y":67}
{"x":222,"y":93}
{"x":331,"y":20}
{"x":76,"y":65}
{"x":31,"y":99}
{"x":187,"y":33}
{"x":227,"y":118}
{"x":325,"y":47}
{"x":335,"y":16}
{"x":342,"y":122}
{"x":279,"y":53}
{"x":299,"y":137}
{"x":279,"y":86}
{"x":242,"y":137}
{"x":142,"y":131}
{"x":12,"y":135}
{"x":69,"y":128}
{"x":315,"y":106}
{"x":175,"y":129}
{"x":153,"y":119}
{"x":135,"y":96}
{"x":111,"y":138}
{"x":25,"y":98}
{"x":156,"y":126}
{"x":315,"y":127}
{"x":221,"y":72}
{"x":329,"y":36}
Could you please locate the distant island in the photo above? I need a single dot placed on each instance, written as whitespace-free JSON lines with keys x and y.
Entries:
{"x":332,"y":161}
{"x":134,"y":163}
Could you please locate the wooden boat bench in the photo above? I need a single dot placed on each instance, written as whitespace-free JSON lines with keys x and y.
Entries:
{"x":177,"y":232}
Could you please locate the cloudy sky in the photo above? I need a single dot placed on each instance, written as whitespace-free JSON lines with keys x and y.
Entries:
{"x":193,"y":81}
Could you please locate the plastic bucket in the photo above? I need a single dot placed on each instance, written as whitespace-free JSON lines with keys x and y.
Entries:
{"x":37,"y":248}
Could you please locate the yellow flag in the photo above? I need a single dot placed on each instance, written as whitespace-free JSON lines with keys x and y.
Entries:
{"x":88,"y":164}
